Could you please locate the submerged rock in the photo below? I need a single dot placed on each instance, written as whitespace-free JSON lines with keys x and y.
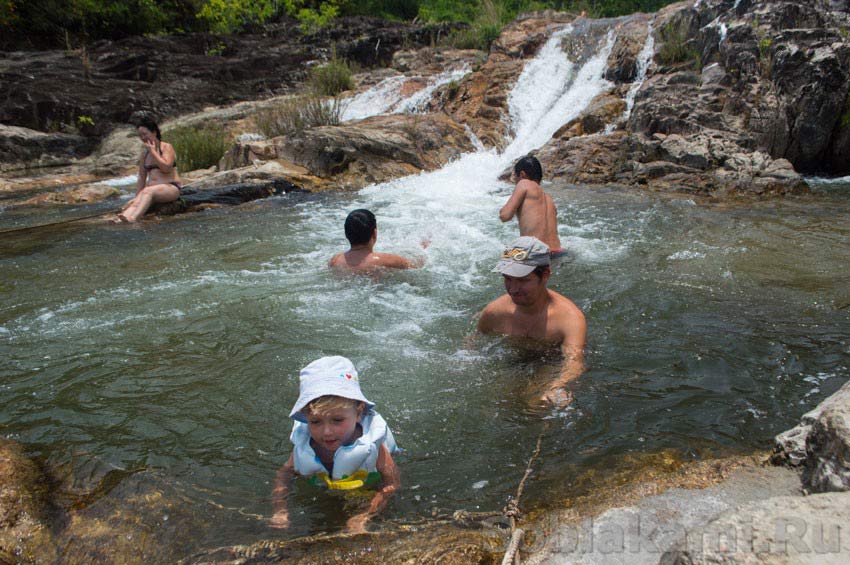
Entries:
{"x":25,"y":533}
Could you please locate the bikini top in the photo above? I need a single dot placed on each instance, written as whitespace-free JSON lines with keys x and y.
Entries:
{"x":155,"y":165}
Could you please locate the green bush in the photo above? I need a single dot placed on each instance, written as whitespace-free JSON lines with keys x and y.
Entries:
{"x":298,"y":113}
{"x":675,"y":47}
{"x":331,"y":78}
{"x":198,"y":147}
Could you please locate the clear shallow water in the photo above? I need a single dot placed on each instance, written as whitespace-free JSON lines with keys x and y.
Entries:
{"x":176,"y":345}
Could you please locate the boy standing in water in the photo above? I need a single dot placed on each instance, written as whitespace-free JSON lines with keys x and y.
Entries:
{"x":339,"y":441}
{"x":361,"y":230}
{"x":534,"y":209}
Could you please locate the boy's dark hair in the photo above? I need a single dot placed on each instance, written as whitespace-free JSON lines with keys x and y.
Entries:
{"x":148,"y":123}
{"x":359,"y":226}
{"x":540,"y":270}
{"x":531,"y":166}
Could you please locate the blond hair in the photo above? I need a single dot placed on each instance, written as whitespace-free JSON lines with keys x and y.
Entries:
{"x":328,"y":403}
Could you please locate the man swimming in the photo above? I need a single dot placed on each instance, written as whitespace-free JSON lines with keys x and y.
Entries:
{"x":361,"y":230}
{"x":534,"y":209}
{"x":531,"y":310}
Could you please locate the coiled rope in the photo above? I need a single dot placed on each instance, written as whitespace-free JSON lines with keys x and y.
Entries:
{"x":512,"y":510}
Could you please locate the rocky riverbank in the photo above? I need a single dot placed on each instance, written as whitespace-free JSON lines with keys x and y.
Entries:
{"x":715,"y":98}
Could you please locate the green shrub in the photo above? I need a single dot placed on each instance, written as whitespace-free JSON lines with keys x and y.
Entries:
{"x":675,"y":47}
{"x":198,"y":147}
{"x":298,"y":113}
{"x":331,"y":78}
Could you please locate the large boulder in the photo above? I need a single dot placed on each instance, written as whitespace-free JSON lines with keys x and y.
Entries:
{"x":355,"y":154}
{"x":820,"y":444}
{"x":22,"y":147}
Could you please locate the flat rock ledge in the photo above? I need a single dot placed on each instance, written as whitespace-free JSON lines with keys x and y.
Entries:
{"x":757,"y":513}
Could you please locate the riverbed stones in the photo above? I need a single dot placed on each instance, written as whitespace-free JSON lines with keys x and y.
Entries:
{"x":25,"y":535}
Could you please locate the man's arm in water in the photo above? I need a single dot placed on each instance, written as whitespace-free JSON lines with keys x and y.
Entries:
{"x":515,"y":201}
{"x":392,"y":261}
{"x":391,"y":483}
{"x":574,"y":328}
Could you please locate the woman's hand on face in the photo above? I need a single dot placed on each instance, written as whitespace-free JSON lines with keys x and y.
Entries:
{"x":150,"y":144}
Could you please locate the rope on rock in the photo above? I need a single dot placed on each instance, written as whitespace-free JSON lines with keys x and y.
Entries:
{"x":512,"y":510}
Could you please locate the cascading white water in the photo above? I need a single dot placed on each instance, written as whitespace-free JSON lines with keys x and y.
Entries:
{"x":460,"y":202}
{"x":386,"y":97}
{"x":643,"y":61}
{"x":553,"y":90}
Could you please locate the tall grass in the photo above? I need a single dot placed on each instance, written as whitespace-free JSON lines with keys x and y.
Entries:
{"x":331,"y":78}
{"x":296,"y":114}
{"x":198,"y":147}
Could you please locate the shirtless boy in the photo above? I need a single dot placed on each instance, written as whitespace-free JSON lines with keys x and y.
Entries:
{"x":361,"y":229}
{"x":531,"y":310}
{"x":533,"y":208}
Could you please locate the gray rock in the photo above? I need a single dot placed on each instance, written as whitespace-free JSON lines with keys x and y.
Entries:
{"x":786,"y":529}
{"x":820,"y":443}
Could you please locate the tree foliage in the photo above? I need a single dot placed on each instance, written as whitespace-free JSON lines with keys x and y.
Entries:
{"x":71,"y":23}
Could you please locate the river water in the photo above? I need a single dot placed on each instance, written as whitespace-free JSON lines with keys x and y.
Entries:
{"x":175,"y":345}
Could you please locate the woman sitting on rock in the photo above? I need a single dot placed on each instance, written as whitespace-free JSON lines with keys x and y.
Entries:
{"x":158,"y":179}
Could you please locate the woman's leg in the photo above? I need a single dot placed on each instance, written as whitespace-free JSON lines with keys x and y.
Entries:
{"x":157,"y":193}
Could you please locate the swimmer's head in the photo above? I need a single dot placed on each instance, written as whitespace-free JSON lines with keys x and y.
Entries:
{"x":360,"y":225}
{"x":147,"y":126}
{"x":531,"y":167}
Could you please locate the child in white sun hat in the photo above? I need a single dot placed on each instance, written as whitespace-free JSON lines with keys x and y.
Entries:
{"x":338,"y":439}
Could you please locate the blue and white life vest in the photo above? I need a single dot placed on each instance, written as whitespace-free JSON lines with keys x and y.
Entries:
{"x":355,"y":464}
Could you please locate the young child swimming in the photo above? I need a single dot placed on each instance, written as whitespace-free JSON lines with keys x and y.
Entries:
{"x":339,"y":441}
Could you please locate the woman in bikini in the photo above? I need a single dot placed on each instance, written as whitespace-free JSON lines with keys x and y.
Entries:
{"x":158,"y":179}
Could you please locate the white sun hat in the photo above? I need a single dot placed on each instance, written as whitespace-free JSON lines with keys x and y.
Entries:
{"x":328,"y":376}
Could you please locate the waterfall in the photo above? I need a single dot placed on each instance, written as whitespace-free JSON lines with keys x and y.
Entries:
{"x":386,"y":96}
{"x":459,"y":202}
{"x":643,"y":61}
{"x":553,"y":90}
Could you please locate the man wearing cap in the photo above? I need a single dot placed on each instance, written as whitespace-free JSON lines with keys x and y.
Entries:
{"x":361,"y":230}
{"x":529,"y":309}
{"x":535,"y":210}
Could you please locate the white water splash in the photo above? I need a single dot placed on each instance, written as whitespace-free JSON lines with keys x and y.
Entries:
{"x":551,"y":91}
{"x":643,"y":60}
{"x":121,"y":181}
{"x":386,"y":96}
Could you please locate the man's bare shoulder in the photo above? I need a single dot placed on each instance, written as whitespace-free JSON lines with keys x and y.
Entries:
{"x":390,"y":261}
{"x":501,"y":306}
{"x":337,"y":261}
{"x":564,"y":313}
{"x":530,"y":187}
